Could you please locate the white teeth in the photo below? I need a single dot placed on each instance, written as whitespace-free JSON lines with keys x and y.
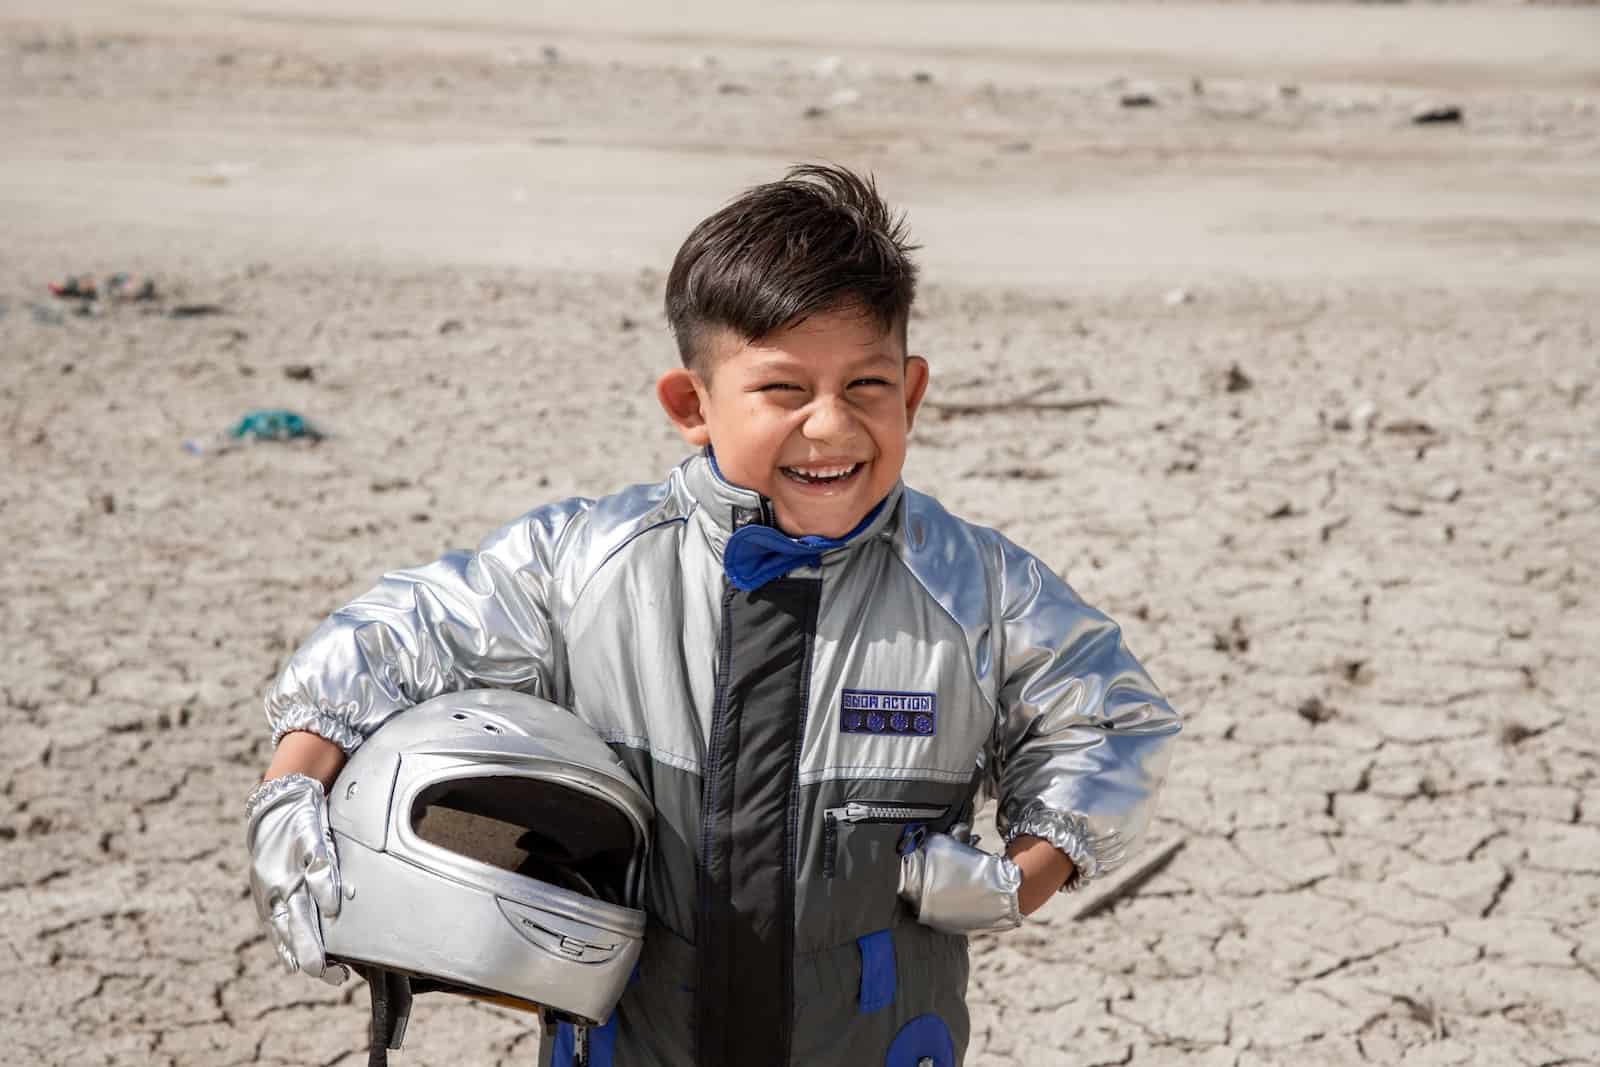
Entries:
{"x":822,"y":474}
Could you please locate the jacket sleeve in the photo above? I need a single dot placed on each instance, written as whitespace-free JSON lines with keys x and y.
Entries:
{"x":469,"y":620}
{"x":1085,"y":736}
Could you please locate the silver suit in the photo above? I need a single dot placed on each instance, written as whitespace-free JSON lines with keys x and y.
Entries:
{"x":787,"y":737}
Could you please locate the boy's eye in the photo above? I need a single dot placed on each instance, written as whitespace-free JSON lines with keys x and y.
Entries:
{"x":773,"y":387}
{"x":871,"y":381}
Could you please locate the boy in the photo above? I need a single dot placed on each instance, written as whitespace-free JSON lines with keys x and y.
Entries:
{"x":811,"y":669}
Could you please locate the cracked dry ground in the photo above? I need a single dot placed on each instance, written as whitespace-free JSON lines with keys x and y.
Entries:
{"x":1351,"y":528}
{"x":1382,"y":636}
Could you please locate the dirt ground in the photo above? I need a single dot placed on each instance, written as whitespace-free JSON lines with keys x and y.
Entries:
{"x":1343,"y":493}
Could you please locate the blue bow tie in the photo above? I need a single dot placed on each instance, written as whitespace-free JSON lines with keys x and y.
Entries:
{"x":755,"y":554}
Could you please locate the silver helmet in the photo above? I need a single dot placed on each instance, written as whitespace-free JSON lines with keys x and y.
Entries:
{"x":490,"y":843}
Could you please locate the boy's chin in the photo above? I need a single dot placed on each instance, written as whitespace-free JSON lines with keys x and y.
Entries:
{"x":810,"y":524}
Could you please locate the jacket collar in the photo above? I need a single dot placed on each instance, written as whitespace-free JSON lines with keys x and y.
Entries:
{"x":724,"y":507}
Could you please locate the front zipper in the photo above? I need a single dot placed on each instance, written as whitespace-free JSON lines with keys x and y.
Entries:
{"x":869,"y":811}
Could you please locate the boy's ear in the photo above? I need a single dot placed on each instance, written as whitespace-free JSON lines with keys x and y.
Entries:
{"x":916,"y":385}
{"x":683,"y":399}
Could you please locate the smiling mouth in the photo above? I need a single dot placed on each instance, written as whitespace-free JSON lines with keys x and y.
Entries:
{"x":822,"y":475}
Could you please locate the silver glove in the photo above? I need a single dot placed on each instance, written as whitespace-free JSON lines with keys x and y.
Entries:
{"x":958,"y":889}
{"x":294,"y":871}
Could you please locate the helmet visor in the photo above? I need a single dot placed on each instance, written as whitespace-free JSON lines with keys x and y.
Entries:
{"x":542,"y":829}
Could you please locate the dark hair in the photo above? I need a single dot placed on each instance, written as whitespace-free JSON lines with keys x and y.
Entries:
{"x":821,"y":239}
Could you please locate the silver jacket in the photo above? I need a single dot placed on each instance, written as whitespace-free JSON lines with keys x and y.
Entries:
{"x":788,"y":737}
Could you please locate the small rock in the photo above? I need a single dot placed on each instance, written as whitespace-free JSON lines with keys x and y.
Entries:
{"x":106,"y":503}
{"x":1314,"y":711}
{"x":1409,"y":428}
{"x":1364,"y":415}
{"x":1197,"y":87}
{"x":1519,"y":629}
{"x":627,"y":324}
{"x":1237,"y":380}
{"x":827,"y":66}
{"x":733,"y":89}
{"x":299,"y":372}
{"x":1137,"y":100}
{"x":1016,"y":147}
{"x":922,"y":77}
{"x":451,"y":326}
{"x":814,"y":112}
{"x":194,"y":311}
{"x":1447,"y":491}
{"x":1176,"y":297}
{"x":1288,"y":92}
{"x":1434,"y":116}
{"x":1284,"y":510}
{"x":551,"y":53}
{"x":1514,"y":733}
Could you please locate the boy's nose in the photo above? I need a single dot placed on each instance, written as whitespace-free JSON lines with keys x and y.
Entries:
{"x":830,"y":420}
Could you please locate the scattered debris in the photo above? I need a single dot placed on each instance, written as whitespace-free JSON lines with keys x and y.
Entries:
{"x":1314,"y":711}
{"x":1434,"y":116}
{"x":1284,"y":510}
{"x":1237,"y":380}
{"x":1409,"y":428}
{"x":550,"y":53}
{"x":299,"y":372}
{"x":1519,"y":629}
{"x":1364,"y":415}
{"x":813,"y":112}
{"x":1410,"y":511}
{"x":1103,"y":893}
{"x":274,"y":424}
{"x":1446,"y":491}
{"x":1025,"y":474}
{"x":195,"y":311}
{"x":1016,"y":147}
{"x":74,"y":287}
{"x":1197,"y":87}
{"x":1514,"y":733}
{"x":948,"y":410}
{"x":922,"y":77}
{"x":105,"y":503}
{"x":1330,"y":528}
{"x":1352,"y":670}
{"x":1234,"y":640}
{"x":1176,"y":297}
{"x":627,"y":324}
{"x":124,"y":288}
{"x":451,"y":326}
{"x":1288,"y":91}
{"x":1137,"y":100}
{"x":733,"y":89}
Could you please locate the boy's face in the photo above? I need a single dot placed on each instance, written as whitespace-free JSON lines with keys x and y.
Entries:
{"x":813,"y":417}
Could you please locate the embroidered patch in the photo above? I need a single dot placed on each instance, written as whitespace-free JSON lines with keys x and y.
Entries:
{"x":878,"y":711}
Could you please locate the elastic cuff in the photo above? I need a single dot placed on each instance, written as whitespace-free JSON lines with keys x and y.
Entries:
{"x":331,"y":724}
{"x":1068,"y":832}
{"x":270,"y":792}
{"x":1013,"y":875}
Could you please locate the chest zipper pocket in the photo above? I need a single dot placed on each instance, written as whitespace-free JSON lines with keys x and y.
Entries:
{"x":869,"y":811}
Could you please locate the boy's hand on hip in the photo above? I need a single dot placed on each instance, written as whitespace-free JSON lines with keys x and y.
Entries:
{"x":294,"y":872}
{"x":958,"y":889}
